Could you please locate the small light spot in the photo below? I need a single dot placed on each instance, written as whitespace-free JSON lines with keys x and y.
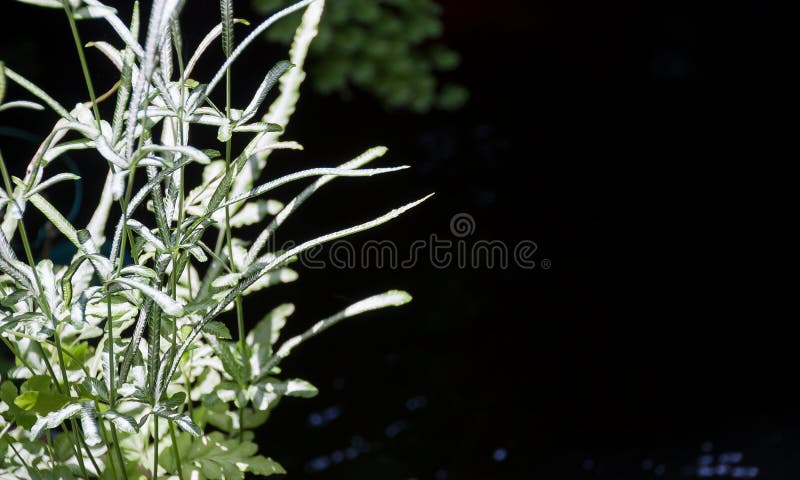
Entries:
{"x":707,"y":447}
{"x":441,"y":474}
{"x":731,"y":457}
{"x":705,"y":459}
{"x":660,"y":470}
{"x":647,"y":464}
{"x":745,"y":472}
{"x":588,"y":464}
{"x":337,"y":456}
{"x":499,"y":454}
{"x":722,"y":470}
{"x":705,"y":471}
{"x":319,"y":464}
{"x":315,"y":420}
{"x":332,"y":413}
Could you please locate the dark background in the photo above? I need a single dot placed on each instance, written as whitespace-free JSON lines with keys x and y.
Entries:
{"x":635,"y":143}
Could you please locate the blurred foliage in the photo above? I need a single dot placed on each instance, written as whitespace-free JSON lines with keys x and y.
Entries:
{"x":385,"y":47}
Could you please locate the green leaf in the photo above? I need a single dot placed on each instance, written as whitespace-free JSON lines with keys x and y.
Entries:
{"x":312,"y":172}
{"x":269,"y":81}
{"x":78,"y":355}
{"x":228,"y":420}
{"x":228,"y":392}
{"x":147,"y":235}
{"x":230,"y":358}
{"x":61,"y":177}
{"x":66,"y":280}
{"x":176,"y":401}
{"x":189,"y":152}
{"x":254,"y":212}
{"x":37,"y":396}
{"x":218,"y":329}
{"x":184,"y":422}
{"x":265,"y":394}
{"x":54,"y":419}
{"x":264,"y":335}
{"x":21,"y":104}
{"x":392,"y":298}
{"x":91,"y":430}
{"x":8,"y":393}
{"x":123,"y":422}
{"x":139,"y":271}
{"x":213,"y":457}
{"x":96,"y":389}
{"x":15,"y":297}
{"x":169,"y":305}
{"x":38,"y":92}
{"x":225,"y":132}
{"x":226,"y":11}
{"x":55,"y":217}
{"x":263,"y":127}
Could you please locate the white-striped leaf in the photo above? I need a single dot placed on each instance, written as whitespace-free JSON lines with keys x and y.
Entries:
{"x":168,"y":305}
{"x":54,"y":419}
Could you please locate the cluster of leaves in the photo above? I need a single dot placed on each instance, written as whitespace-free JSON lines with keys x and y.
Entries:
{"x":386,"y":47}
{"x":123,"y":367}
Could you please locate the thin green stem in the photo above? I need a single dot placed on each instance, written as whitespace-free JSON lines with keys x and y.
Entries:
{"x":49,"y":367}
{"x":111,"y":465}
{"x":112,"y":385}
{"x":82,"y":56}
{"x":85,"y":447}
{"x":22,"y":460}
{"x":175,"y":450}
{"x":112,"y":391}
{"x":125,"y":229}
{"x":229,"y":239}
{"x":155,"y":447}
{"x":19,"y":356}
{"x":118,"y":452}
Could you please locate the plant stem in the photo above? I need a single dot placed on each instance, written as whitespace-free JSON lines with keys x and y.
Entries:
{"x":229,"y":239}
{"x":22,"y":460}
{"x":173,"y":289}
{"x":86,"y":447}
{"x":111,"y":465}
{"x":112,"y":394}
{"x":118,"y":451}
{"x":81,"y":55}
{"x":125,"y":230}
{"x":175,"y":450}
{"x":112,"y":386}
{"x":155,"y":447}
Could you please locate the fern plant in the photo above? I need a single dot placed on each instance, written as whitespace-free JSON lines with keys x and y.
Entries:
{"x":124,"y":365}
{"x":389,"y":48}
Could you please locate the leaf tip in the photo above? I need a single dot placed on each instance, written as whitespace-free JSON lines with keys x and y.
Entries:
{"x":397,"y":298}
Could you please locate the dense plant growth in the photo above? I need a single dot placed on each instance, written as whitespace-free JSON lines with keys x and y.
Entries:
{"x":124,"y":366}
{"x":389,"y":48}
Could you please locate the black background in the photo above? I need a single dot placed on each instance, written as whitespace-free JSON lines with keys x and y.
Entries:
{"x":636,"y":144}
